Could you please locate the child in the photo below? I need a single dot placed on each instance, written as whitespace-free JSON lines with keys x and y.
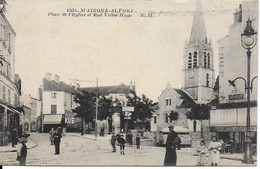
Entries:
{"x":201,"y":153}
{"x":122,"y":145}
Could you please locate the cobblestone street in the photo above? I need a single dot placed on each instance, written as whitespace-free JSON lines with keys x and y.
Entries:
{"x":83,"y":150}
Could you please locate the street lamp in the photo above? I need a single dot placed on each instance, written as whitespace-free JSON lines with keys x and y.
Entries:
{"x":248,"y":41}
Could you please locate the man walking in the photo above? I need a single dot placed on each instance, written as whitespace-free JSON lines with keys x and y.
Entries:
{"x":57,"y":136}
{"x":172,"y":141}
{"x":130,"y":139}
{"x":113,"y":142}
{"x":51,"y":135}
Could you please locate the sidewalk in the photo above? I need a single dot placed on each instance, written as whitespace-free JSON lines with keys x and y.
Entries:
{"x":30,"y":144}
{"x":235,"y":156}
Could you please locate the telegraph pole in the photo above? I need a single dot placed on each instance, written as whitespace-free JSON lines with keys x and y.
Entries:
{"x":96,"y":109}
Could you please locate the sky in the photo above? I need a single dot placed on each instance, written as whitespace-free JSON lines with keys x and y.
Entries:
{"x":145,"y":50}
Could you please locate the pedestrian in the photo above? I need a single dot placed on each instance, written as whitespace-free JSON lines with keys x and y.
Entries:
{"x":130,"y":139}
{"x":170,"y":155}
{"x":214,"y":148}
{"x":22,"y":151}
{"x":138,"y":141}
{"x":20,"y":131}
{"x":117,"y":138}
{"x":161,"y":138}
{"x":201,"y":150}
{"x":122,"y":145}
{"x":13,"y":137}
{"x":113,"y":142}
{"x":57,"y":139}
{"x":51,"y":135}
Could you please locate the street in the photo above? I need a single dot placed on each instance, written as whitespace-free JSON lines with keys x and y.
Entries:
{"x":79,"y":150}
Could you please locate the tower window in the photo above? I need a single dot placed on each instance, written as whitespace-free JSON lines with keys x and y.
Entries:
{"x":166,"y":118}
{"x":207,"y":80}
{"x":195,"y":59}
{"x":208,"y":60}
{"x":190,"y":61}
{"x":205,"y":60}
{"x":154,"y":119}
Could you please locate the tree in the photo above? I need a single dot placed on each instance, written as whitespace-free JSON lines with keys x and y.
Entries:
{"x":143,"y":107}
{"x":105,"y":108}
{"x":199,"y":112}
{"x":86,"y":109}
{"x":174,"y":115}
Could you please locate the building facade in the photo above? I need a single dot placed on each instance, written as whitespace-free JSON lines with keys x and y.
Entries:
{"x":10,"y":83}
{"x":228,"y":116}
{"x":57,"y":100}
{"x":33,"y":104}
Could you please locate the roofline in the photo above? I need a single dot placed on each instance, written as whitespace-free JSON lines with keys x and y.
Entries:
{"x":7,"y":22}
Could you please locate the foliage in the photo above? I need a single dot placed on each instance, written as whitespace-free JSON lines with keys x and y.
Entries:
{"x":86,"y":109}
{"x":174,"y":115}
{"x":143,"y":106}
{"x":198,"y":112}
{"x":107,"y":107}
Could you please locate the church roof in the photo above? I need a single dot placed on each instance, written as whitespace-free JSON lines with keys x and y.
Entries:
{"x":106,"y":90}
{"x":198,"y":31}
{"x":187,"y":102}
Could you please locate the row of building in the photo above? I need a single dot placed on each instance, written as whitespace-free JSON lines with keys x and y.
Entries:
{"x":228,"y":106}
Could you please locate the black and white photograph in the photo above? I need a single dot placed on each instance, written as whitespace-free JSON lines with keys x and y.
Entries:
{"x":139,"y":83}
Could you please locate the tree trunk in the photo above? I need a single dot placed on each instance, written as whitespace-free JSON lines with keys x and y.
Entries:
{"x":194,"y":125}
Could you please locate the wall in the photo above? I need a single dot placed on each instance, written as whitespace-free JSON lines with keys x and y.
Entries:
{"x":232,"y":117}
{"x":48,"y":101}
{"x":230,"y":49}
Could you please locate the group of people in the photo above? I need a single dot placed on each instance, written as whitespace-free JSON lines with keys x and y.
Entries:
{"x":121,"y":141}
{"x":55,"y":138}
{"x":173,"y":142}
{"x":214,"y":147}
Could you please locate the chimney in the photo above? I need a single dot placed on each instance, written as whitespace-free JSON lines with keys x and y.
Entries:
{"x":56,"y":78}
{"x":77,"y":86}
{"x":238,"y":14}
{"x":48,"y":76}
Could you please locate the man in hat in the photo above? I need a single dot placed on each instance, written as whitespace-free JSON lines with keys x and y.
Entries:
{"x":22,"y":150}
{"x":57,"y":136}
{"x":172,"y":140}
{"x":113,"y":141}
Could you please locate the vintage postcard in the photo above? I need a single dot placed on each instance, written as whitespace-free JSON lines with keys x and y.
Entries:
{"x":128,"y":82}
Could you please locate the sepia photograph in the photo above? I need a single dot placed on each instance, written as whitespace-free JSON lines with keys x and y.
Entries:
{"x":139,"y":83}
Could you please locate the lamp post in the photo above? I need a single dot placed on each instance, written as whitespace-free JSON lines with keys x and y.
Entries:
{"x":248,"y":41}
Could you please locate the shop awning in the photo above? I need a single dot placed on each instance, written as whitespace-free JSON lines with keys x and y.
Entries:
{"x":11,"y":109}
{"x":52,"y":119}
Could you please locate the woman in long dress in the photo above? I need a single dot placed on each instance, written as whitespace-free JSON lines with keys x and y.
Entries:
{"x":214,"y":148}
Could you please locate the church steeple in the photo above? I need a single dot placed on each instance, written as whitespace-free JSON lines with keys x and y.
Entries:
{"x":198,"y":31}
{"x":198,"y":70}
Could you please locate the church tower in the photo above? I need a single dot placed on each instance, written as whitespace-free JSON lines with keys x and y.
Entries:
{"x":198,"y":70}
